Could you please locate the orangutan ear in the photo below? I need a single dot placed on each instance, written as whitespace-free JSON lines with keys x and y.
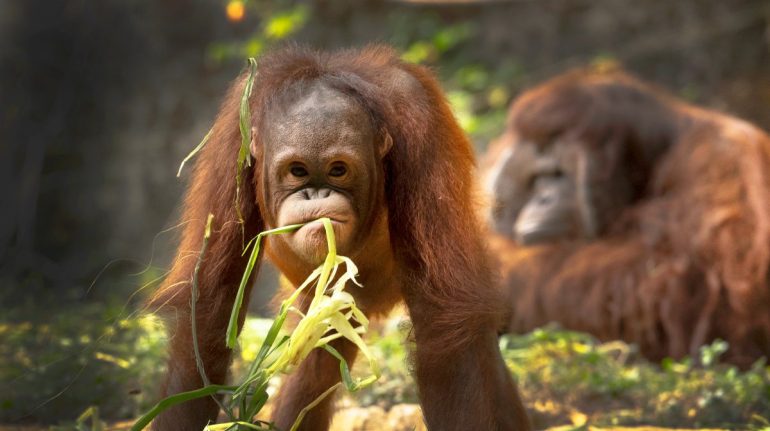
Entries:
{"x":385,"y":143}
{"x":255,"y":151}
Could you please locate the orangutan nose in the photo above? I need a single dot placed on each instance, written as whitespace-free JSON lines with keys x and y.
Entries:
{"x":316,"y":193}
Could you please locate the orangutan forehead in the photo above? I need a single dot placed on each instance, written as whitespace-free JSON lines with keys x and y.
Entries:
{"x":316,"y":103}
{"x":317,"y":115}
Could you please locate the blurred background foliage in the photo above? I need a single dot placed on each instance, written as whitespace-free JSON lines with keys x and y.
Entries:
{"x":100,"y":101}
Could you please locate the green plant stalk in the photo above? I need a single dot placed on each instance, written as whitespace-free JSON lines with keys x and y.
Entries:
{"x":256,"y":374}
{"x":227,"y":425}
{"x":178,"y":399}
{"x":245,"y":117}
{"x":194,"y":152}
{"x":194,"y":320}
{"x":90,"y":413}
{"x":257,"y":401}
{"x":244,"y":123}
{"x":194,"y":300}
{"x":323,"y":315}
{"x":331,"y":258}
{"x":326,"y":313}
{"x":232,"y":327}
{"x":310,"y":406}
{"x":350,"y":383}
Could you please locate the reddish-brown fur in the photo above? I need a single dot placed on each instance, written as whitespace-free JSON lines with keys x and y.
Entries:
{"x":683,"y":264}
{"x":432,"y":250}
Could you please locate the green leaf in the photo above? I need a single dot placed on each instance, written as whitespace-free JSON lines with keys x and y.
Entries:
{"x":310,"y":406}
{"x":244,"y":153}
{"x":179,"y":398}
{"x":284,"y":24}
{"x":245,"y":117}
{"x":232,"y":327}
{"x":194,"y":152}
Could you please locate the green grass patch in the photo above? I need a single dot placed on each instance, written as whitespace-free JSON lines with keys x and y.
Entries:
{"x":565,"y":375}
{"x":57,"y":369}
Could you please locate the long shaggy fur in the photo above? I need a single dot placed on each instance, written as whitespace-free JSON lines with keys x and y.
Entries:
{"x":687,"y":261}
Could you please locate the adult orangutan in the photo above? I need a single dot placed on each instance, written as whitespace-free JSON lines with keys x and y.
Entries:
{"x":369,"y":141}
{"x":624,"y":212}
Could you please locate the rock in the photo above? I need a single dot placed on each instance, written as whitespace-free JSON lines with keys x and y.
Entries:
{"x":360,"y":419}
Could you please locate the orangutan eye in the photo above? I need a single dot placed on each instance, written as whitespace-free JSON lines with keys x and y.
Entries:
{"x":298,"y":171}
{"x":338,"y":170}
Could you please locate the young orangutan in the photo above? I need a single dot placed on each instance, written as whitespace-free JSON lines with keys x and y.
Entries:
{"x":369,"y":141}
